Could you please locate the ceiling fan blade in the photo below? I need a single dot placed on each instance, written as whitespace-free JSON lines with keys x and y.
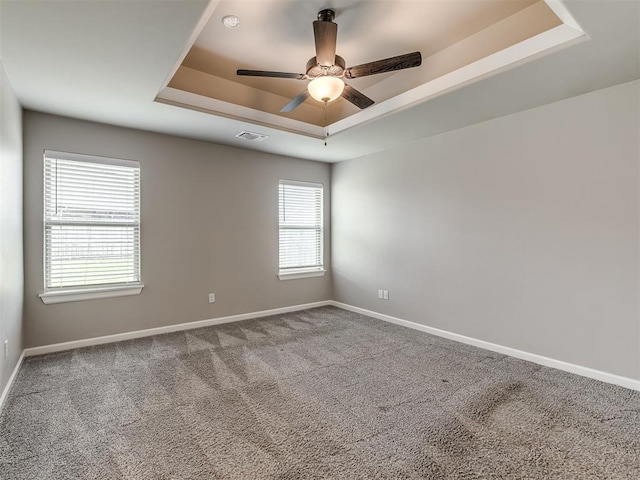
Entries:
{"x":297,"y":100}
{"x":400,"y":62}
{"x":262,"y":73}
{"x":356,"y":97}
{"x":325,"y":35}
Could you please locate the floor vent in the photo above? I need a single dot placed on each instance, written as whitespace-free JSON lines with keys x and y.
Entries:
{"x":254,"y":137}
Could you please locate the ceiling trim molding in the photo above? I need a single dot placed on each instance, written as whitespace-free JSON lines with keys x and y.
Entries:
{"x":543,"y":43}
{"x":563,"y":14}
{"x":202,"y":22}
{"x":526,"y":51}
{"x":201,"y":103}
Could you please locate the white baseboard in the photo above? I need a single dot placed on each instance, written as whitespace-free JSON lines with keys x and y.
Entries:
{"x":531,"y":357}
{"x":118,"y":337}
{"x":12,"y":378}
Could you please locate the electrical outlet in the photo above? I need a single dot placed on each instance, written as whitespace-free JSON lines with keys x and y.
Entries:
{"x":385,"y":294}
{"x":5,"y":353}
{"x":212,"y":298}
{"x":380,"y":294}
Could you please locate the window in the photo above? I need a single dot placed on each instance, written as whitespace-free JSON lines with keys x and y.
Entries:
{"x":91,"y":227}
{"x":301,"y":229}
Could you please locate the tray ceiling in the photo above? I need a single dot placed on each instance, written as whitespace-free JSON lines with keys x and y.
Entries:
{"x":107,"y":61}
{"x":460,"y":41}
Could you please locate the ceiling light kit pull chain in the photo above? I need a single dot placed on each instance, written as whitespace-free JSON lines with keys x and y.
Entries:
{"x":326,"y":121}
{"x":327,"y":71}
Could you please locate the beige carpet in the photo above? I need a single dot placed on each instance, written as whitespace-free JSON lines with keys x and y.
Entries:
{"x":318,"y":394}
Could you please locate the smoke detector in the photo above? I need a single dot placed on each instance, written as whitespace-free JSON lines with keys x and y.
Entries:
{"x":254,"y":137}
{"x":230,"y":21}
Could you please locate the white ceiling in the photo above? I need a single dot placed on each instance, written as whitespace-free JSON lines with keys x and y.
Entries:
{"x":106,"y":61}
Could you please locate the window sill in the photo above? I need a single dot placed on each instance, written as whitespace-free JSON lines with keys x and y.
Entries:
{"x":300,"y":274}
{"x":89,"y":294}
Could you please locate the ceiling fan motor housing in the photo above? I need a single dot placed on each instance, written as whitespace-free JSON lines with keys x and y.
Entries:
{"x":315,"y":70}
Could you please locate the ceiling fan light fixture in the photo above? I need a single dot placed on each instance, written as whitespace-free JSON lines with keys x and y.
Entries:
{"x":325,"y":88}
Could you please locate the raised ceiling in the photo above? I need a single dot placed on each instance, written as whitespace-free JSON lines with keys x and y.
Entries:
{"x":107,"y":61}
{"x":277,"y":35}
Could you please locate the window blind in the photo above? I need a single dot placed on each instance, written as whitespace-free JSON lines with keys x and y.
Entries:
{"x":301,"y":226}
{"x":91,"y":221}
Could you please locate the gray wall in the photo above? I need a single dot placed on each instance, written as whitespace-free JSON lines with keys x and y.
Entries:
{"x":522,"y":231}
{"x":11,"y":277}
{"x":209,"y":219}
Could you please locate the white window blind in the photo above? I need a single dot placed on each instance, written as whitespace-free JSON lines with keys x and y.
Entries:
{"x":301,"y":225}
{"x":91,"y":222}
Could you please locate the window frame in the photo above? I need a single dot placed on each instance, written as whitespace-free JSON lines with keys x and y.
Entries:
{"x":90,"y":291}
{"x":292,"y":273}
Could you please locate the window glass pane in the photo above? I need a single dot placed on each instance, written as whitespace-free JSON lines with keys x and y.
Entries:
{"x":301,"y":224}
{"x":80,"y":255}
{"x":92,"y":226}
{"x":299,"y":248}
{"x":301,"y":206}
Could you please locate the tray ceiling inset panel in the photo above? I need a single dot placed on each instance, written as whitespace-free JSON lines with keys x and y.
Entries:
{"x":460,"y":41}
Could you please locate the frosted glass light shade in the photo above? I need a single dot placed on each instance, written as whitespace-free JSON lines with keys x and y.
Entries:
{"x":325,"y":88}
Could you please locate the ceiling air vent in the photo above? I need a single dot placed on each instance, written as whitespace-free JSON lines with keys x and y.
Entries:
{"x":254,"y":137}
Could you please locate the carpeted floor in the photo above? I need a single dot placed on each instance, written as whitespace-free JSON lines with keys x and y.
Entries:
{"x":317,"y":394}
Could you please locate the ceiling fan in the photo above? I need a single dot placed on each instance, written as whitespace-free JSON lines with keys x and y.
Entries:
{"x":327,"y":70}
